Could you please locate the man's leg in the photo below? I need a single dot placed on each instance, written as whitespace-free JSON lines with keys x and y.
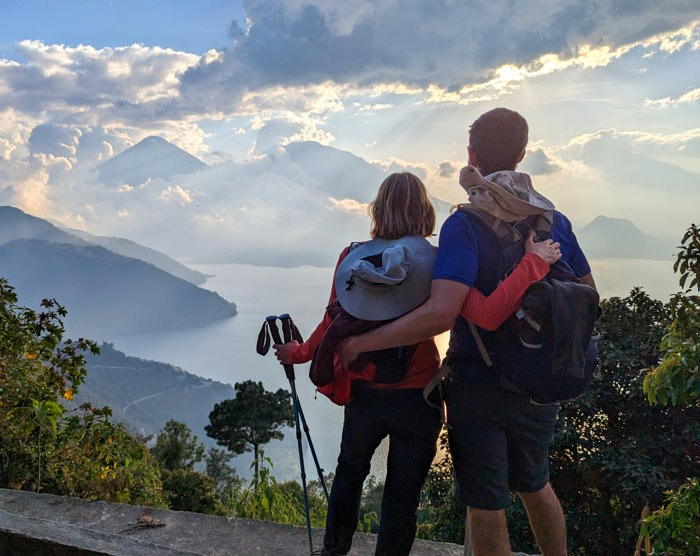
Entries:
{"x":530,"y":432}
{"x":546,"y":519}
{"x":488,"y":532}
{"x":478,"y":445}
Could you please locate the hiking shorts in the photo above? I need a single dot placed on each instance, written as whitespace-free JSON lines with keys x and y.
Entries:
{"x":499,"y":442}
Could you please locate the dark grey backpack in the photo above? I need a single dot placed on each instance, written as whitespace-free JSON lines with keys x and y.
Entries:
{"x":548,"y":348}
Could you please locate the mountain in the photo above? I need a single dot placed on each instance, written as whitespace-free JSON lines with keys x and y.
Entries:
{"x":345,"y":175}
{"x":152,"y":158}
{"x":607,"y":237}
{"x":142,"y":393}
{"x":129,"y":248}
{"x":104,"y":292}
{"x":16,"y":224}
{"x":341,"y":173}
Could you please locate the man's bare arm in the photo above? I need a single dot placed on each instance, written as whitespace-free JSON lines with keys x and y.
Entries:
{"x":436,"y":315}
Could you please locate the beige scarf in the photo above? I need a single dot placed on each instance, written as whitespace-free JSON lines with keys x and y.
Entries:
{"x":507,"y":195}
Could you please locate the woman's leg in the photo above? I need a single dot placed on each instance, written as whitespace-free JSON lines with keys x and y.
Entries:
{"x":414,"y":429}
{"x":362,"y":433}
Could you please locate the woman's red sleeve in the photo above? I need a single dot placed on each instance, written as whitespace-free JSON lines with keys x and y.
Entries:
{"x":304,"y":352}
{"x":491,"y":312}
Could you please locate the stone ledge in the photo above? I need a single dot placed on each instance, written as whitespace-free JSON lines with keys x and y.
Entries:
{"x":47,"y":524}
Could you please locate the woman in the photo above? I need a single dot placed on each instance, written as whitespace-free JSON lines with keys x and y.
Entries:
{"x":397,"y":409}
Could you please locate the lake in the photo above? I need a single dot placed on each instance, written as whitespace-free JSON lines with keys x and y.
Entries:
{"x":225,"y":351}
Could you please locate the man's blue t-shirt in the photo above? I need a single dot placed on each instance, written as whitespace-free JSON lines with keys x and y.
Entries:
{"x":469,"y":254}
{"x":459,"y":253}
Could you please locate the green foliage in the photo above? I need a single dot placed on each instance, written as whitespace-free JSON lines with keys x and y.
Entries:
{"x":98,"y":459}
{"x":253,"y":418}
{"x":370,"y":505}
{"x":674,"y":529}
{"x":188,"y":490}
{"x":676,"y":379}
{"x":441,"y":517}
{"x":41,"y":446}
{"x":268,"y":500}
{"x":612,"y":453}
{"x":219,"y":469}
{"x":176,"y":448}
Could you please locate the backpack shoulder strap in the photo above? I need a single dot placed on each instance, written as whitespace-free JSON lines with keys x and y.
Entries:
{"x":502,"y":230}
{"x":543,"y":225}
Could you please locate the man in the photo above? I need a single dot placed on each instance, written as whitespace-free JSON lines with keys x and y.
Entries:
{"x":498,"y":438}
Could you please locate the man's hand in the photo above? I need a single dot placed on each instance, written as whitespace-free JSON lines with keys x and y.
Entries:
{"x":547,"y":249}
{"x":283,"y":352}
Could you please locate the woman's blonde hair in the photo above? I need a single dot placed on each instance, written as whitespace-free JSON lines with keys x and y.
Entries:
{"x":401,"y":208}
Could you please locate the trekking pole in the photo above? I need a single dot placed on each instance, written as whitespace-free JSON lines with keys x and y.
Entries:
{"x":271,"y":324}
{"x":291,"y":332}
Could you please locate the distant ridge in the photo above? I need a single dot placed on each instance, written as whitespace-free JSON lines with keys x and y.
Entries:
{"x":106,"y":293}
{"x":129,"y":248}
{"x":607,"y":237}
{"x":16,"y":224}
{"x":152,"y":158}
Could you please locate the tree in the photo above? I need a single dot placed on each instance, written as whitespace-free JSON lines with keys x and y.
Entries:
{"x":219,"y":470}
{"x":253,"y":418}
{"x":677,"y":377}
{"x":613,"y":454}
{"x":185,"y":489}
{"x":176,"y":448}
{"x":675,"y":527}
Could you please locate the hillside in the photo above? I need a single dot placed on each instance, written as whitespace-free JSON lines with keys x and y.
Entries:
{"x":607,"y":237}
{"x":145,"y":394}
{"x":16,"y":224}
{"x":105,"y":292}
{"x":129,"y":248}
{"x":152,"y":158}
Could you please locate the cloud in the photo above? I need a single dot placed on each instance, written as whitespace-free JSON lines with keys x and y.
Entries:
{"x":54,"y":140}
{"x":396,"y":165}
{"x":537,"y":162}
{"x":177,"y":194}
{"x":311,"y":42}
{"x":348,"y":205}
{"x":687,"y":98}
{"x":446,"y":169}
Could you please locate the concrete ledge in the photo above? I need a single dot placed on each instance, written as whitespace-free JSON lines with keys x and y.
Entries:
{"x":45,"y":524}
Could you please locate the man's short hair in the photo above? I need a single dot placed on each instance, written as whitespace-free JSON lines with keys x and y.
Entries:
{"x":497,"y":138}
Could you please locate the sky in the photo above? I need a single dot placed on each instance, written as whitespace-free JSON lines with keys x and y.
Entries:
{"x":611,"y":91}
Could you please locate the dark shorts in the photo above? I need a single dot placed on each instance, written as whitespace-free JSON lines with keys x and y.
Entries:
{"x":499,"y":442}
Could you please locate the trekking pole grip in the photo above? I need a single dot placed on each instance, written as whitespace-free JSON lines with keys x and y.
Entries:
{"x":274,"y":330}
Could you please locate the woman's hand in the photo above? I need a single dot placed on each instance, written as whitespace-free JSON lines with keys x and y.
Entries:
{"x":547,"y":249}
{"x":283,"y":352}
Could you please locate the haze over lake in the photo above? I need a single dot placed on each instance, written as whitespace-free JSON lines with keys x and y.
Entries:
{"x":225,"y":351}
